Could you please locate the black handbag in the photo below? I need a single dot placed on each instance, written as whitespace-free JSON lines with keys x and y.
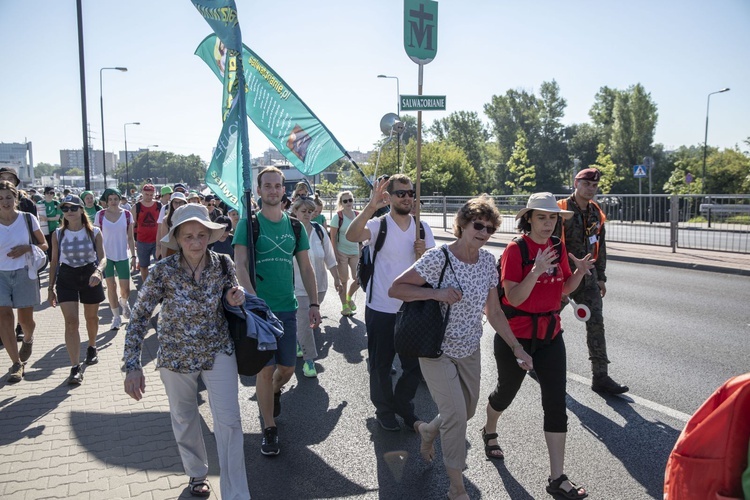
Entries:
{"x":420,"y":324}
{"x":249,"y":359}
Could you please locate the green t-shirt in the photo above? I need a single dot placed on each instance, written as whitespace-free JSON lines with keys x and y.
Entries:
{"x":320,"y":219}
{"x":342,"y":244}
{"x":91,"y":212}
{"x":274,"y":265}
{"x":52,"y":209}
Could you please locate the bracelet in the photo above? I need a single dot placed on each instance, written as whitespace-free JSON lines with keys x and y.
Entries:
{"x":315,"y":305}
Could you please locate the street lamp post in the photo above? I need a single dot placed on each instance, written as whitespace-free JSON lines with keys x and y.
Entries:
{"x":398,"y":94}
{"x":705,"y":137}
{"x":101,"y":104}
{"x":127,"y":172}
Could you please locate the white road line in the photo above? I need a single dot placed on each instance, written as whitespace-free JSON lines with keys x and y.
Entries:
{"x":684,"y":417}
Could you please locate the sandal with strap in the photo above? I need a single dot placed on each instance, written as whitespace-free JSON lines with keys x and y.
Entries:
{"x":490,"y":448}
{"x":555,"y":488}
{"x":199,"y":487}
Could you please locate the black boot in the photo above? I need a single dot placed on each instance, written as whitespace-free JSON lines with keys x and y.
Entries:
{"x":604,"y":383}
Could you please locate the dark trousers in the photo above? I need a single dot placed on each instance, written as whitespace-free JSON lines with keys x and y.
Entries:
{"x":550,"y":365}
{"x":588,"y":293}
{"x":380,"y":349}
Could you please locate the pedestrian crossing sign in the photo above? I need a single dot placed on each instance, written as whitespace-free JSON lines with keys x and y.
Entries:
{"x":639,"y":171}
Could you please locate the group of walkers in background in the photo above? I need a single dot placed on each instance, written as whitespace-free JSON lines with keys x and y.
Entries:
{"x":202,"y":262}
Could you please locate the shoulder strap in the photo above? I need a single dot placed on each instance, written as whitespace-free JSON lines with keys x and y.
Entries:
{"x":297,"y":228}
{"x":137,"y":210}
{"x":127,"y":217}
{"x":100,"y":217}
{"x":318,"y":229}
{"x":256,"y":228}
{"x":224,"y":265}
{"x":524,"y":249}
{"x":27,"y":216}
{"x":421,"y":228}
{"x":340,"y":213}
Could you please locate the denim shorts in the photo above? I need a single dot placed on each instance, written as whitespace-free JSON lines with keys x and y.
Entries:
{"x":145,"y":251}
{"x":17,"y":290}
{"x":286,"y":346}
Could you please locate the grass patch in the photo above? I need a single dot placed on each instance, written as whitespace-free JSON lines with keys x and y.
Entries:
{"x":738,"y":219}
{"x":698,"y":220}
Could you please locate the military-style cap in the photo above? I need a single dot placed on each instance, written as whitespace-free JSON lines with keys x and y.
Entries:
{"x":589,"y":174}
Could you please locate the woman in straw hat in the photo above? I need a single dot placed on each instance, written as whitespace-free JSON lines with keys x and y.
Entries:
{"x":193,"y":340}
{"x":534,"y":276}
{"x":75,"y":276}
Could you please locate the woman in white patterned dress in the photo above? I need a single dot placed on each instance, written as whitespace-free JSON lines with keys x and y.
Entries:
{"x":470,"y":286}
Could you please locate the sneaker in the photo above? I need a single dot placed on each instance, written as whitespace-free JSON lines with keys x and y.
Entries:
{"x":16,"y":373}
{"x":92,"y":357}
{"x":308,"y":369}
{"x":533,"y":375}
{"x":389,"y":423}
{"x":604,"y":383}
{"x":125,"y":308}
{"x":24,"y":353}
{"x":116,"y":322}
{"x":270,"y":444}
{"x":299,"y":351}
{"x":19,"y":332}
{"x":276,"y":405}
{"x":352,"y":305}
{"x":346,"y":310}
{"x":76,"y":375}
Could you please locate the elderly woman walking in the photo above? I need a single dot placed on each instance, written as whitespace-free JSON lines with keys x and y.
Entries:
{"x":193,"y":341}
{"x":535,"y":275}
{"x":18,"y":290}
{"x":469,"y":281}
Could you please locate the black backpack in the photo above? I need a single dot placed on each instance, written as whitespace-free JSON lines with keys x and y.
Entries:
{"x":366,"y":263}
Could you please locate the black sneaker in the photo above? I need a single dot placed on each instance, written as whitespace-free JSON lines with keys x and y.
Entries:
{"x":92,"y":357}
{"x":532,"y":374}
{"x":19,"y":332}
{"x":76,"y":375}
{"x":388,"y":422}
{"x":270,"y":444}
{"x":276,"y":405}
{"x":604,"y":383}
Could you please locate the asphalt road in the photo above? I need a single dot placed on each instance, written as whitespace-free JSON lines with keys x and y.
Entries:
{"x":674,"y":336}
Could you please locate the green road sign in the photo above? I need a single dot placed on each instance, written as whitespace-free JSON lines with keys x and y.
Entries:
{"x":422,"y":102}
{"x":420,"y":30}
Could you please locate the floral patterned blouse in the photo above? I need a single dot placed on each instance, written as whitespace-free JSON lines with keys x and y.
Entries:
{"x":192,"y":328}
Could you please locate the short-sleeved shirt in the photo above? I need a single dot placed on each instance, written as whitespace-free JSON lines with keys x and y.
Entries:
{"x":12,"y":236}
{"x":52,"y":209}
{"x":395,"y":257}
{"x":464,"y":331}
{"x":342,"y":244}
{"x":322,"y":259}
{"x":91,"y":212}
{"x":546,"y":294}
{"x":320,"y":219}
{"x":274,"y":255}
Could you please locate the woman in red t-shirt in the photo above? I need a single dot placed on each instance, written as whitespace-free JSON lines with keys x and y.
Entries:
{"x":533,"y":282}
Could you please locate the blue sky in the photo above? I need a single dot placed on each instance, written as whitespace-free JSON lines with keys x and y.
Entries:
{"x":330,"y":52}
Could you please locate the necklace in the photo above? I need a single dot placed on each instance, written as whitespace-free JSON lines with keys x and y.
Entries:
{"x":193,"y":270}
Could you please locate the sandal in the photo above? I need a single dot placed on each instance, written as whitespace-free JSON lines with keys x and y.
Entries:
{"x":199,"y":487}
{"x":490,"y":448}
{"x":555,"y":488}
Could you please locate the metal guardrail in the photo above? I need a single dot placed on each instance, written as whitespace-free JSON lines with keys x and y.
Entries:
{"x":674,"y":221}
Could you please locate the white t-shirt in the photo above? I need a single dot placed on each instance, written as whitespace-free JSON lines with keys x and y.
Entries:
{"x":162,"y":213}
{"x":114,"y":235}
{"x":12,"y":236}
{"x":396,"y":256}
{"x":464,"y":330}
{"x":322,"y":259}
{"x":76,"y":248}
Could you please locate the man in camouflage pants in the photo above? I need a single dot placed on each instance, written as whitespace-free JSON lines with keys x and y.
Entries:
{"x":583,"y":234}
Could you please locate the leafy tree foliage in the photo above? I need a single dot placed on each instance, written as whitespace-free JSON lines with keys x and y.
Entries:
{"x":522,"y":178}
{"x":607,"y":168}
{"x":465,"y":130}
{"x":158,"y":164}
{"x":42,"y":168}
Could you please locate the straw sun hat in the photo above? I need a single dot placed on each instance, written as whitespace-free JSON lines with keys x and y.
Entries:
{"x":188,"y":213}
{"x":544,"y":202}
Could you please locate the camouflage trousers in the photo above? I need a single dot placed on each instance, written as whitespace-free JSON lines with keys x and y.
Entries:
{"x":588,"y":293}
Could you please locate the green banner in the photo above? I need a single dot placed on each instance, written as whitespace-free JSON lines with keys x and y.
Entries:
{"x":224,"y":174}
{"x":422,"y":102}
{"x":277,"y":111}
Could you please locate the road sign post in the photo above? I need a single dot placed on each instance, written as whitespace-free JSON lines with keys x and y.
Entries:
{"x":420,"y":43}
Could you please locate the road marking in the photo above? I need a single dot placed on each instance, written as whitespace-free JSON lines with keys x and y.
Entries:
{"x":684,"y":417}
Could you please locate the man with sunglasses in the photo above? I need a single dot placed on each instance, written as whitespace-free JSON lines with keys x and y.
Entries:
{"x":400,"y":250}
{"x":584,"y":234}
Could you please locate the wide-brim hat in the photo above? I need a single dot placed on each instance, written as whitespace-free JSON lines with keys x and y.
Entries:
{"x":178,"y":196}
{"x":544,"y":202}
{"x":8,"y":170}
{"x":188,"y":213}
{"x":71,"y":199}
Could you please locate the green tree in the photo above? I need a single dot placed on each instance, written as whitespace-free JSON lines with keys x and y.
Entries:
{"x":582,"y":140}
{"x":42,"y":168}
{"x":551,"y":156}
{"x":607,"y":168}
{"x":522,"y":174}
{"x":465,"y":130}
{"x":74,"y":171}
{"x":602,"y":112}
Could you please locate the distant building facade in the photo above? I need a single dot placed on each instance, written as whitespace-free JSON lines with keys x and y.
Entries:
{"x":19,"y":156}
{"x":73,"y":158}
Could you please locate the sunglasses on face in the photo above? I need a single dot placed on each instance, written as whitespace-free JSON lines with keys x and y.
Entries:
{"x":478,"y":226}
{"x":71,"y":208}
{"x":350,"y":200}
{"x":404,"y":192}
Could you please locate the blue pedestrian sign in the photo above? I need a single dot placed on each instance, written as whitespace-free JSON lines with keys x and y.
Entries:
{"x":639,"y":171}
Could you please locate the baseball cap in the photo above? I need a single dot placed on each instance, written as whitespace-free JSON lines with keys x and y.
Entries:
{"x":148,"y":187}
{"x":180,"y":187}
{"x":71,"y":199}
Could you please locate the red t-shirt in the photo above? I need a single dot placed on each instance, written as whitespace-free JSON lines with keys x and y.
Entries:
{"x":546,"y":294}
{"x":146,"y":224}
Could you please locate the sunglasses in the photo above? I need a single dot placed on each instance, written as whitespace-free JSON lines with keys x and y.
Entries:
{"x":478,"y":226}
{"x":350,"y":200}
{"x":71,"y":208}
{"x":405,"y":192}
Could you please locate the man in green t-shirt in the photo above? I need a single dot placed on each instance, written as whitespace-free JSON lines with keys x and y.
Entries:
{"x":277,"y":245}
{"x":53,"y":214}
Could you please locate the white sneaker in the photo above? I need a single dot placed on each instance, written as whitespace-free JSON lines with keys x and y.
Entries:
{"x":116,"y":322}
{"x":125,"y":308}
